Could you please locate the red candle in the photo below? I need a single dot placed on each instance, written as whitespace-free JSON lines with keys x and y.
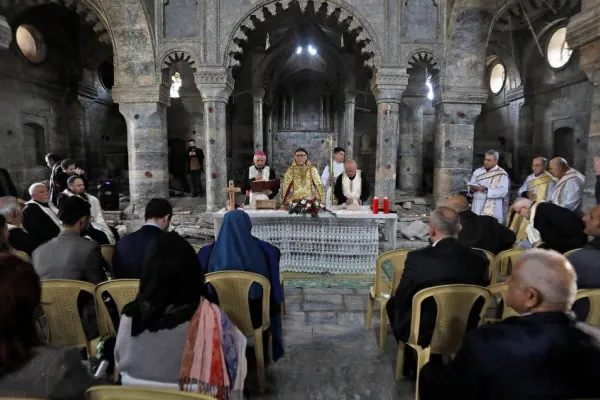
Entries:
{"x":375,"y":205}
{"x":386,"y":205}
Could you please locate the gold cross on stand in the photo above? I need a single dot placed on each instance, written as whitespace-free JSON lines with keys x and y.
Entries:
{"x":231,"y":191}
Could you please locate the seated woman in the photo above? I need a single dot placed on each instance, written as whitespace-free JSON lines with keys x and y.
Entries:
{"x":237,"y":250}
{"x":28,"y":368}
{"x":169,"y":319}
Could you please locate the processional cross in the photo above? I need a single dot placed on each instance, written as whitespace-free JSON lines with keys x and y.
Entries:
{"x":231,"y":191}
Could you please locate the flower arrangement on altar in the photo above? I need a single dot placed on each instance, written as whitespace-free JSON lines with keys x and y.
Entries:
{"x":307,"y":205}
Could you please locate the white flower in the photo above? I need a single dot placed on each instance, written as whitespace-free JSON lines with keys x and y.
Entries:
{"x":293,"y":205}
{"x":308,"y":206}
{"x":303,"y":202}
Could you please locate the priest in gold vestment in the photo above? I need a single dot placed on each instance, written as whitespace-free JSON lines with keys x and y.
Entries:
{"x":537,"y":187}
{"x":301,"y":179}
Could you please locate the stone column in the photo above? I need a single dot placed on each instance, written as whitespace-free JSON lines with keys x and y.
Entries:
{"x":5,"y":34}
{"x":145,"y":112}
{"x":257,"y":101}
{"x":292,"y":101}
{"x":284,"y":121}
{"x":583,"y":33}
{"x":215,"y":85}
{"x":411,"y":145}
{"x":348,"y":143}
{"x":455,"y":129}
{"x":387,"y":86}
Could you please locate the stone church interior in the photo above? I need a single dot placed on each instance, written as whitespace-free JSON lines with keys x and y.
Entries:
{"x":435,"y":106}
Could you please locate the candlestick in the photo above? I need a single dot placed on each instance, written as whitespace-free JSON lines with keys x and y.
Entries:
{"x":386,"y":205}
{"x":375,"y":205}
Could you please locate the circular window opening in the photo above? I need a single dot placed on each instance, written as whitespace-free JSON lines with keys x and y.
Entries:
{"x":31,"y":43}
{"x":497,"y":78}
{"x":558,"y":52}
{"x":106,"y":73}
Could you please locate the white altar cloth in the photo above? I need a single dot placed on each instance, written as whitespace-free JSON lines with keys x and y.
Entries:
{"x":344,"y":243}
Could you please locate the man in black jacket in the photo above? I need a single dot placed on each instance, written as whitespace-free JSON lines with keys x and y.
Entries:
{"x":445,"y":262}
{"x":480,"y":231}
{"x":18,"y":238}
{"x":551,"y":226}
{"x":195,"y":168}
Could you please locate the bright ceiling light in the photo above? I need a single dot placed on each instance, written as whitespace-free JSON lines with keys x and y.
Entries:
{"x":299,"y":50}
{"x":312,"y":50}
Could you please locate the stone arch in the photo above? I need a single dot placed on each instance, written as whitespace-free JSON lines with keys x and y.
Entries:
{"x":177,"y":56}
{"x":513,"y":74}
{"x":365,"y":34}
{"x":425,"y":55}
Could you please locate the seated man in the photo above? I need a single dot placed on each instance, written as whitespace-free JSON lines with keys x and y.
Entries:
{"x":67,"y":169}
{"x":39,"y":215}
{"x":543,"y":354}
{"x":351,"y":187}
{"x":129,"y":251}
{"x":445,"y":262}
{"x":550,"y":226}
{"x":98,"y":230}
{"x":480,"y":231}
{"x":18,"y":238}
{"x":568,"y":192}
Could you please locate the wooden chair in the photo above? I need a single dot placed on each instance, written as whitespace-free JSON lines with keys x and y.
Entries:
{"x":232,"y":289}
{"x":568,"y":253}
{"x":454,"y":304}
{"x":382,"y":290}
{"x":491,"y":257}
{"x":196,"y":248}
{"x":139,"y":393}
{"x":59,"y":301}
{"x":22,"y":255}
{"x":122,"y":291}
{"x":593,"y":296}
{"x":499,"y":291}
{"x":503,"y":263}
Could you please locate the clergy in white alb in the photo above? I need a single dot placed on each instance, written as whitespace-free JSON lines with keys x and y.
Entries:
{"x":569,"y":189}
{"x":351,"y":187}
{"x":338,"y":167}
{"x":490,"y":185}
{"x":259,"y":171}
{"x":539,"y":185}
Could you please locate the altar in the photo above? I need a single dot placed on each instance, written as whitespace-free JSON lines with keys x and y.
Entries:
{"x":341,"y":242}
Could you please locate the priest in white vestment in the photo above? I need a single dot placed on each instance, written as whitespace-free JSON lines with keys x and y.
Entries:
{"x":99,"y":230}
{"x":569,"y":189}
{"x":540,"y":182}
{"x":490,"y":185}
{"x":338,"y":167}
{"x":258,"y":171}
{"x":351,"y":187}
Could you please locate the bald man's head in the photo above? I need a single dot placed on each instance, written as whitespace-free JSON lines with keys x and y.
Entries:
{"x":458,"y":203}
{"x":558,"y":167}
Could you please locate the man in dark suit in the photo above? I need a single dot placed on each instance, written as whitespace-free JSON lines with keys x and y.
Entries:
{"x":129,"y":251}
{"x":445,"y":262}
{"x":543,"y":354}
{"x":40,"y":217}
{"x":551,"y":226}
{"x":53,"y":162}
{"x":18,"y":238}
{"x":480,"y":231}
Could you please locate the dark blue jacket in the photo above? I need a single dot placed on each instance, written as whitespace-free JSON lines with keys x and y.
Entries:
{"x":598,"y":189}
{"x":129,"y":252}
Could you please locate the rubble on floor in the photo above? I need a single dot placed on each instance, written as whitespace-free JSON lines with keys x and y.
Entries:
{"x":413,"y":213}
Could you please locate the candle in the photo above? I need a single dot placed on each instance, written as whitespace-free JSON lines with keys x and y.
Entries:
{"x":375,"y":205}
{"x":386,"y":205}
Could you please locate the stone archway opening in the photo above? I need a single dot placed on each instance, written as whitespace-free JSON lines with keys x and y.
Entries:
{"x":564,"y":144}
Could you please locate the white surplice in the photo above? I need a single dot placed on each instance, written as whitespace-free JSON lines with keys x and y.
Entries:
{"x":338,"y":168}
{"x":252,"y":173}
{"x":97,"y":221}
{"x":499,"y":195}
{"x":569,"y":191}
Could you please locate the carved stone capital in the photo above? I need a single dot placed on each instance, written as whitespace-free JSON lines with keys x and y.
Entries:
{"x":350,"y":97}
{"x":5,"y":34}
{"x":478,"y":96}
{"x":515,"y":93}
{"x":389,"y":84}
{"x":142,"y":94}
{"x":258,"y":95}
{"x":215,"y":84}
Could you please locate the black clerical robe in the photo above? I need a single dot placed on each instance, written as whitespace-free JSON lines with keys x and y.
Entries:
{"x":338,"y":191}
{"x":40,"y":226}
{"x":19,"y":239}
{"x":484,"y":232}
{"x":247,"y":183}
{"x":56,"y":170}
{"x":560,"y":228}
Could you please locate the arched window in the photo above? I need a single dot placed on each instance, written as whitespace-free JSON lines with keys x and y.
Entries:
{"x":558,"y":52}
{"x":31,"y":43}
{"x":175,"y":85}
{"x":34,"y":144}
{"x":497,"y":78}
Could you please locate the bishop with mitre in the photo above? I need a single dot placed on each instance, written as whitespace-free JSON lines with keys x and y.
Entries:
{"x":302,"y":179}
{"x":259,"y":171}
{"x":351,"y":188}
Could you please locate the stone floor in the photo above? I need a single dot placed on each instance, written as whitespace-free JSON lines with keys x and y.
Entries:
{"x":329,"y":355}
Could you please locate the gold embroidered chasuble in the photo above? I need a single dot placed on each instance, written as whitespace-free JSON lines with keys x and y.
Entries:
{"x":519,"y":224}
{"x":301,"y":181}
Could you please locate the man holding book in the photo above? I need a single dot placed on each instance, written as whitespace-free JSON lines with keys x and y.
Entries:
{"x":259,"y":171}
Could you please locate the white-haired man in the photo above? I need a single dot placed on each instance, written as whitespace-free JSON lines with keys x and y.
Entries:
{"x":40,"y":216}
{"x":569,"y":189}
{"x":490,"y":185}
{"x":18,"y":237}
{"x":542,"y":354}
{"x":351,"y":187}
{"x":259,"y":171}
{"x":550,"y":226}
